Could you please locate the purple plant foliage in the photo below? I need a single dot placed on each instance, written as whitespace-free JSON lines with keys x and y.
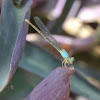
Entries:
{"x":56,"y":86}
{"x":37,"y":2}
{"x":11,"y":45}
{"x":20,"y":44}
{"x":90,"y":11}
{"x":75,"y":43}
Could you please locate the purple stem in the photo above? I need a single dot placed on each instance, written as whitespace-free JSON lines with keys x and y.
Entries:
{"x":57,"y":11}
{"x":77,"y":44}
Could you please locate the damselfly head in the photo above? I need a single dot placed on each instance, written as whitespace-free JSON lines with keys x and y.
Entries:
{"x":70,"y":60}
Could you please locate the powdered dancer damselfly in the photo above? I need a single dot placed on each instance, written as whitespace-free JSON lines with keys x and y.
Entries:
{"x":47,"y":35}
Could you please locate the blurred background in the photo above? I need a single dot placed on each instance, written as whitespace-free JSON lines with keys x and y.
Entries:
{"x":75,"y":24}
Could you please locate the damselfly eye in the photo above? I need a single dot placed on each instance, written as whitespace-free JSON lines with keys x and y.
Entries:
{"x":70,"y":60}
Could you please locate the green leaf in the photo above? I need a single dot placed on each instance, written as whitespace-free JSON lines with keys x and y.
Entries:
{"x":10,"y":35}
{"x":82,"y":87}
{"x":38,"y":61}
{"x":19,"y":86}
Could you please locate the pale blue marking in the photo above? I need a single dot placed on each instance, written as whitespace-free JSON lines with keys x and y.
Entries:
{"x":64,"y":54}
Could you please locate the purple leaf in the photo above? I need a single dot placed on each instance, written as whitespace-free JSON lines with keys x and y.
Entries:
{"x":90,"y":11}
{"x":56,"y":86}
{"x":76,"y":43}
{"x":20,"y":44}
{"x":12,"y":39}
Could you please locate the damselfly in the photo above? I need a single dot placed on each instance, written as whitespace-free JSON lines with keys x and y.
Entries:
{"x":47,"y":35}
